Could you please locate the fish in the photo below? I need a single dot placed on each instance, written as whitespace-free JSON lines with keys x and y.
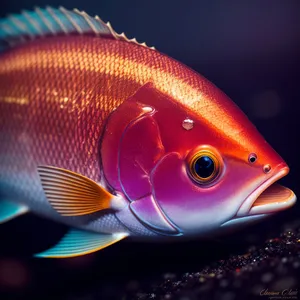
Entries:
{"x":119,"y":141}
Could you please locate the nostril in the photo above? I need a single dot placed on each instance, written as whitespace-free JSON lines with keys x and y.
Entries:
{"x":267,"y":168}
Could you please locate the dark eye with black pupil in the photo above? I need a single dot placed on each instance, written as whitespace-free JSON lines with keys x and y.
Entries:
{"x":204,"y":166}
{"x":252,"y":159}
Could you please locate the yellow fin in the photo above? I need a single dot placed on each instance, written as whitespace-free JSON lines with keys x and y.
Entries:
{"x":72,"y":194}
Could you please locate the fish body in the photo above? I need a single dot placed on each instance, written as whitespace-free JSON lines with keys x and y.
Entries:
{"x":113,"y":137}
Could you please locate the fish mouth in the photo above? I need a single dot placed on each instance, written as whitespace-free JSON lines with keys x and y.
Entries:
{"x":269,"y":197}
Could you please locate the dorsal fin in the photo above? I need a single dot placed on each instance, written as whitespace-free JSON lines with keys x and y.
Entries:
{"x":48,"y":21}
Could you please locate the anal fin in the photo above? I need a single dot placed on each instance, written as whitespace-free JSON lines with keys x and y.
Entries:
{"x":10,"y":210}
{"x":79,"y":242}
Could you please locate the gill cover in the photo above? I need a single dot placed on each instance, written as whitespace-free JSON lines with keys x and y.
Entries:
{"x":145,"y":154}
{"x":131,"y":148}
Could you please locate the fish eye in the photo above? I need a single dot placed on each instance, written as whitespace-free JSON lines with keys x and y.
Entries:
{"x":252,"y":158}
{"x":204,"y":167}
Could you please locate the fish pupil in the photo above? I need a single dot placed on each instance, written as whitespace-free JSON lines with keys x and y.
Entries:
{"x":204,"y":166}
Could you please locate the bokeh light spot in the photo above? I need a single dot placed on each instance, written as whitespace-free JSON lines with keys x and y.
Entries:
{"x":13,"y":274}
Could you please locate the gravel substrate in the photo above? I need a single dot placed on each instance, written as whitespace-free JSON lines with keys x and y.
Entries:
{"x":270,"y":270}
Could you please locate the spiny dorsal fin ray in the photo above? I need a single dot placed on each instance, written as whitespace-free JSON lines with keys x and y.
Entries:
{"x":49,"y":21}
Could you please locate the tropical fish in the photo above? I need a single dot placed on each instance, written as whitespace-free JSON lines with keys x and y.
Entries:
{"x":117,"y":140}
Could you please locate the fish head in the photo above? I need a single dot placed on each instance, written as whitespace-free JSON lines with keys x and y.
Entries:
{"x":205,"y":165}
{"x":219,"y":171}
{"x":218,"y":184}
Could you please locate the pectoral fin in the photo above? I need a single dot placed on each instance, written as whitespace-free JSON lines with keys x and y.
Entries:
{"x":72,"y":194}
{"x":10,"y":210}
{"x":77,"y":242}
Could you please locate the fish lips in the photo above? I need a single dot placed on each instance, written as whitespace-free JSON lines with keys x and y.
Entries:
{"x":267,"y":199}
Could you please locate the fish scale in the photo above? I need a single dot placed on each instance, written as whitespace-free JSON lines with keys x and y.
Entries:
{"x":54,"y":131}
{"x":92,"y":134}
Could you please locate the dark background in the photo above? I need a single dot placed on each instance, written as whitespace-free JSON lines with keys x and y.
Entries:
{"x":249,"y":49}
